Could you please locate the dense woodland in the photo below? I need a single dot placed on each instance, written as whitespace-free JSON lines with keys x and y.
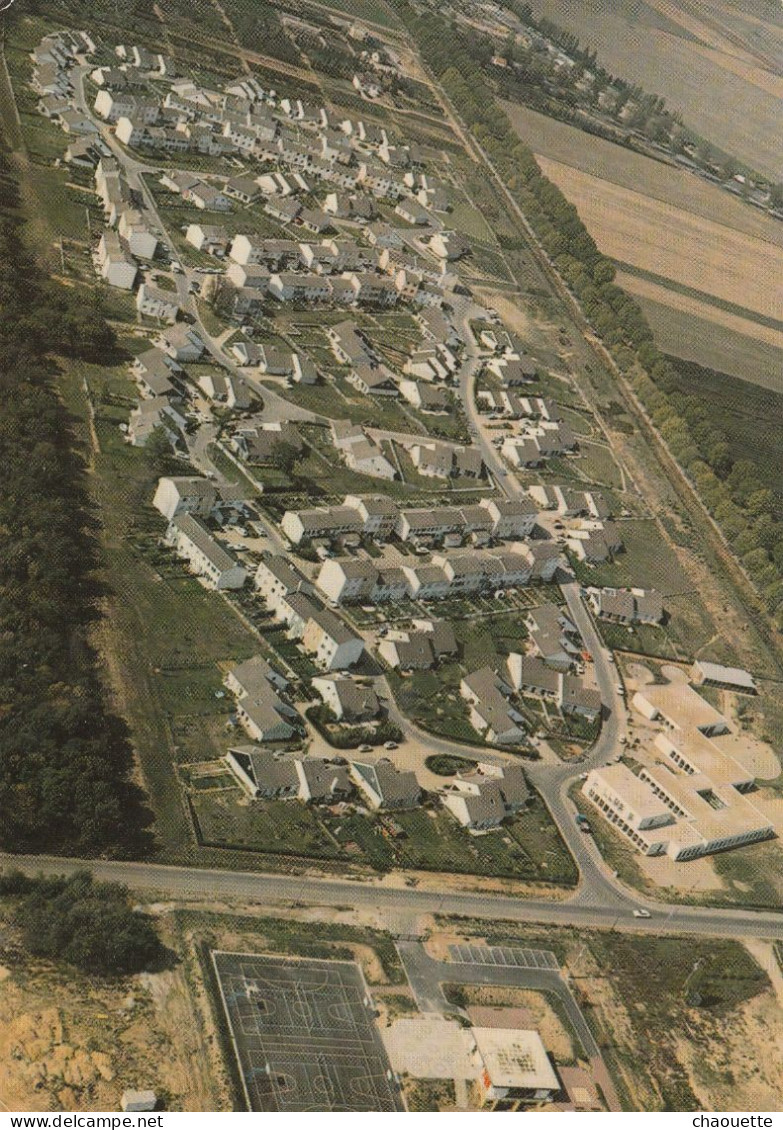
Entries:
{"x":746,"y":510}
{"x":79,"y":922}
{"x":65,"y":760}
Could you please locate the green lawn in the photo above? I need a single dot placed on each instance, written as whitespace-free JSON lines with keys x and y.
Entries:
{"x":166,"y":634}
{"x":597,"y":464}
{"x":527,"y":847}
{"x":432,"y":700}
{"x":283,"y":827}
{"x":647,"y":639}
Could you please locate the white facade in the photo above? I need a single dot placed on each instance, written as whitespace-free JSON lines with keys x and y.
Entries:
{"x":187,"y":494}
{"x":192,"y":541}
{"x":154,"y":303}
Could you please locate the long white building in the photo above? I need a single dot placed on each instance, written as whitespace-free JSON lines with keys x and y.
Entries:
{"x":692,"y":801}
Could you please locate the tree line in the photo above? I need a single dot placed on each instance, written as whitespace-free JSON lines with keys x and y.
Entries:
{"x":65,"y":760}
{"x":746,"y":511}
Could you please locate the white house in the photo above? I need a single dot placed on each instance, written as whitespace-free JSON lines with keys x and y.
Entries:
{"x":141,"y":241}
{"x":156,"y":303}
{"x":332,"y":644}
{"x":184,"y":494}
{"x":207,"y":237}
{"x":117,"y":266}
{"x":192,"y":541}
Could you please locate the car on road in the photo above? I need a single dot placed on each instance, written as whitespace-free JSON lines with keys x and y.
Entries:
{"x":365,"y":748}
{"x":390,"y":745}
{"x":620,"y":689}
{"x":642,"y":913}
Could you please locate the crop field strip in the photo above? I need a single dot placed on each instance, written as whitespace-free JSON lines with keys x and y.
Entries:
{"x":750,"y":325}
{"x":656,"y":178}
{"x":689,"y":330}
{"x":673,"y":243}
{"x":700,"y":296}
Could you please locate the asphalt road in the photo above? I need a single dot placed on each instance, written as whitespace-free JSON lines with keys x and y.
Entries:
{"x":426,"y":976}
{"x":392,"y":902}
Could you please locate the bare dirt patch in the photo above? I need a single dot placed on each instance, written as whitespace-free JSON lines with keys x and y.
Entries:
{"x":99,"y":1039}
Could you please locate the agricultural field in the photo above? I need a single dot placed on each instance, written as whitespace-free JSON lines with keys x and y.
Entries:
{"x":676,"y":244}
{"x":695,"y":257}
{"x":660,"y":180}
{"x":684,"y":328}
{"x":720,"y":69}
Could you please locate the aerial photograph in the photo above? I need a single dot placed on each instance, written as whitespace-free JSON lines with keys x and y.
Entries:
{"x":391,"y":558}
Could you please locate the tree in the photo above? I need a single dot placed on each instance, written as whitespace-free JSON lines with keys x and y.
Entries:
{"x":284,"y":456}
{"x":89,"y":925}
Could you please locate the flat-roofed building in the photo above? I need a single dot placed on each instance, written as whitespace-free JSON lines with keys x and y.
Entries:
{"x":514,"y":1065}
{"x":706,"y":674}
{"x":679,"y":707}
{"x":697,"y":781}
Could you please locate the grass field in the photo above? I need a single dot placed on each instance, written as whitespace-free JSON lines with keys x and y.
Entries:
{"x":165,"y":634}
{"x":528,"y":847}
{"x":685,"y":328}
